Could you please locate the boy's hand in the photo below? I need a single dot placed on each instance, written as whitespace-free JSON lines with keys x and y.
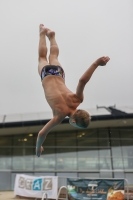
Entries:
{"x":102,"y":61}
{"x":39,"y":151}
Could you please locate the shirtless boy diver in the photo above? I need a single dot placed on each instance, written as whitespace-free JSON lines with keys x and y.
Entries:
{"x":62,"y":101}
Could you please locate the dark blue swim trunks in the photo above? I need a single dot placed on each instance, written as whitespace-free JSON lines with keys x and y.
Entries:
{"x":52,"y":70}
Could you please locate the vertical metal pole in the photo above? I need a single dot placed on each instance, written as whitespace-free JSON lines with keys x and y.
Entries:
{"x":127,"y":189}
{"x":110,"y":143}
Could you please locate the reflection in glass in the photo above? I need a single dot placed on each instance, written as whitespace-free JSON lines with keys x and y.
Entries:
{"x":50,"y":140}
{"x":105,"y":174}
{"x":46,"y":161}
{"x":105,"y":159}
{"x":18,"y":159}
{"x":104,"y":142}
{"x":116,"y":154}
{"x":114,"y":133}
{"x":103,"y":134}
{"x":87,"y":138}
{"x":66,"y":138}
{"x":22,"y":140}
{"x":119,"y":174}
{"x":126,"y":133}
{"x":66,"y":159}
{"x":22,"y":159}
{"x":117,"y":157}
{"x":129,"y":177}
{"x":127,"y":147}
{"x":104,"y":150}
{"x":5,"y":158}
{"x":6,"y":141}
{"x":88,"y":159}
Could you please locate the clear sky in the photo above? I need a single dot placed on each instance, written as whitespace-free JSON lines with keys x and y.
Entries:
{"x":85,"y":30}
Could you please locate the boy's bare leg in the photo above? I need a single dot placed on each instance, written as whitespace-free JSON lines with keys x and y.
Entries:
{"x":42,"y":49}
{"x":54,"y":50}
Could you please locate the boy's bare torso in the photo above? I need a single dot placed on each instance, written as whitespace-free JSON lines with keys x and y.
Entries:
{"x":61,"y":100}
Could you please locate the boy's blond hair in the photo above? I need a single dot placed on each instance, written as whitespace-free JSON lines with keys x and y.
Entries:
{"x":82,"y":118}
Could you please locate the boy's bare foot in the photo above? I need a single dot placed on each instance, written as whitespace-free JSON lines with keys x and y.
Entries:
{"x":50,"y":33}
{"x":42,"y":29}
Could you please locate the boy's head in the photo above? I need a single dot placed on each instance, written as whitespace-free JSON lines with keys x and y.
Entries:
{"x":80,"y":119}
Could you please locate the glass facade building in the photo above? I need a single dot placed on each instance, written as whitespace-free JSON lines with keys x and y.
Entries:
{"x":96,"y":152}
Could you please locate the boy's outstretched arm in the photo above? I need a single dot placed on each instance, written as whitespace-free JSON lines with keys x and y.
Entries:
{"x":87,"y":75}
{"x":44,"y":131}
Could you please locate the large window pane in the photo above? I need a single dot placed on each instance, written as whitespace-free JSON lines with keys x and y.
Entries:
{"x":22,"y":159}
{"x":23,"y":140}
{"x":129,"y":177}
{"x":127,"y":147}
{"x":126,"y":133}
{"x":66,"y":159}
{"x":103,"y":138}
{"x":117,"y":157}
{"x":46,"y":161}
{"x":103,"y":133}
{"x":105,"y":174}
{"x":105,"y":159}
{"x":66,"y":139}
{"x":28,"y":158}
{"x":50,"y":140}
{"x":104,"y":149}
{"x":18,"y":159}
{"x":119,"y":174}
{"x":5,"y":158}
{"x":114,"y":133}
{"x":5,"y":140}
{"x":88,"y":159}
{"x":87,"y":150}
{"x":87,"y":138}
{"x":88,"y":175}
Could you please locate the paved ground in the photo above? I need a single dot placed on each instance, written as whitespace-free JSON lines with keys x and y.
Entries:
{"x":6,"y":195}
{"x":9,"y":195}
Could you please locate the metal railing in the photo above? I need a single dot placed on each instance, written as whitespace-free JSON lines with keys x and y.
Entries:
{"x":44,"y":195}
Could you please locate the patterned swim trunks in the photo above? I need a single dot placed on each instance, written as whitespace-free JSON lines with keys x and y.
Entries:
{"x":52,"y":70}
